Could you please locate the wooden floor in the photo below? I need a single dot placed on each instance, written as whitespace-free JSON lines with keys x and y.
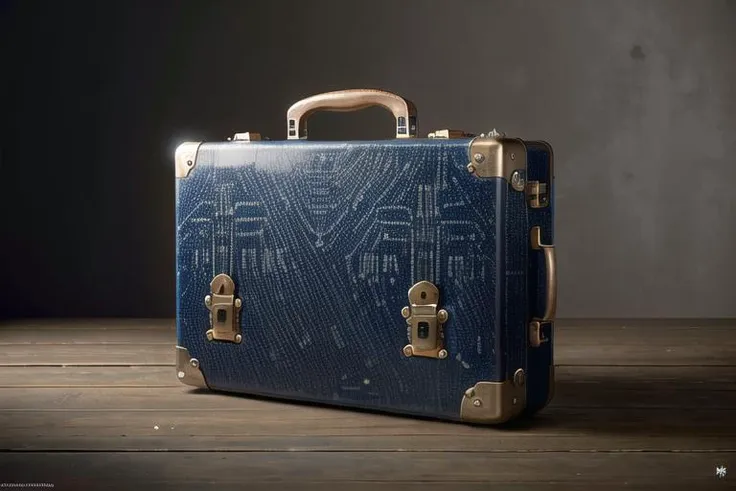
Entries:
{"x":96,"y":405}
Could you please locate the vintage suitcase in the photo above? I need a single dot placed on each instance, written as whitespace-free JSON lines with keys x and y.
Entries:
{"x":412,"y":276}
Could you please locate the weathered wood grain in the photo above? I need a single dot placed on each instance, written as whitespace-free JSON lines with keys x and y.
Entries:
{"x":594,"y":346}
{"x":96,"y":405}
{"x":150,"y":468}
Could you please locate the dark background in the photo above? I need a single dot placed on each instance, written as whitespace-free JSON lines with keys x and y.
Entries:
{"x":637,"y":97}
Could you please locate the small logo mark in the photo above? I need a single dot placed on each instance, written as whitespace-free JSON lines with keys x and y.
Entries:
{"x":721,"y":471}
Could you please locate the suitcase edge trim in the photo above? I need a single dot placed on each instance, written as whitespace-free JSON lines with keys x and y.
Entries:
{"x":494,"y":402}
{"x":187,"y":369}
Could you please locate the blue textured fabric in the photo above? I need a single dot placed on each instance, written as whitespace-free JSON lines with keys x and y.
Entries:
{"x":539,"y":359}
{"x":324,"y":240}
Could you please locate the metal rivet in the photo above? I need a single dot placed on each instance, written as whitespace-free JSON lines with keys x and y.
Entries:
{"x":208,"y":300}
{"x":471,"y":168}
{"x":238,"y":303}
{"x":477,"y":403}
{"x":517,"y":180}
{"x":408,"y":351}
{"x":514,"y":401}
{"x":189,"y":162}
{"x":519,"y":377}
{"x":181,"y":374}
{"x":442,"y":354}
{"x":238,"y":338}
{"x":442,"y":316}
{"x":479,"y":157}
{"x":405,"y":312}
{"x":194,"y":362}
{"x":210,"y":336}
{"x":513,"y":156}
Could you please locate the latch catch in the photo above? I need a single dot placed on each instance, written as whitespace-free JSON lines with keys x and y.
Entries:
{"x":248,"y":136}
{"x":450,"y":134}
{"x":224,"y":310}
{"x":536,"y":333}
{"x":537,"y":194}
{"x":425,"y":322}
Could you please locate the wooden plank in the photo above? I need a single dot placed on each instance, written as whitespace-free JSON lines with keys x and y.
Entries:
{"x":666,"y":346}
{"x":87,"y":355}
{"x":586,"y":392}
{"x":595,"y":346}
{"x":489,"y":441}
{"x":575,"y":378}
{"x":601,"y":346}
{"x":99,"y":470}
{"x":95,"y":376}
{"x":288,"y":420}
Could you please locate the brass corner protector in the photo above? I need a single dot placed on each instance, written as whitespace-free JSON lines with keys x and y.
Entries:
{"x":187,"y":369}
{"x":185,"y":158}
{"x":498,"y":157}
{"x":494,"y":402}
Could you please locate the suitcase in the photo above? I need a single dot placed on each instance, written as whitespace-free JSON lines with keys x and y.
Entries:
{"x":411,"y":276}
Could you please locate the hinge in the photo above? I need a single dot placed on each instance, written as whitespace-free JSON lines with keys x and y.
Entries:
{"x":450,"y":134}
{"x":537,"y":194}
{"x":248,"y":136}
{"x":425,"y":320}
{"x":224,"y":309}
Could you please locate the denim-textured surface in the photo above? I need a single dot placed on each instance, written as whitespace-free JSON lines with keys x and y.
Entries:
{"x":324,"y":240}
{"x":540,"y":359}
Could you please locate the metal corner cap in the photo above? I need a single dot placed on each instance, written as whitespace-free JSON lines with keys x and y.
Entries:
{"x":492,"y":402}
{"x":188,"y":370}
{"x":185,"y":158}
{"x":496,"y":156}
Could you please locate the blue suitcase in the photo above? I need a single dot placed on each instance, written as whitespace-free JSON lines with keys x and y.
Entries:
{"x":412,"y":276}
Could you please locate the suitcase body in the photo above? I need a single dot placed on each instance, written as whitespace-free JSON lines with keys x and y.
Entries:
{"x":412,"y":276}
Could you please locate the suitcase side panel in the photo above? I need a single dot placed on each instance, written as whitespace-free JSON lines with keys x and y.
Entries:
{"x":540,"y":370}
{"x":516,"y":305}
{"x":341,"y":232}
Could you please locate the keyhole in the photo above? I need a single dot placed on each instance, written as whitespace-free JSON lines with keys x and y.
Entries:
{"x":424,"y":295}
{"x":423,"y":330}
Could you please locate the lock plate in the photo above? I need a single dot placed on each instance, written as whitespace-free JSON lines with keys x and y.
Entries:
{"x":537,"y":194}
{"x":224,"y":309}
{"x":425,"y":322}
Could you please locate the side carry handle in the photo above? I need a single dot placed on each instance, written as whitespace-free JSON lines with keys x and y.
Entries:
{"x":403,"y":110}
{"x":550,"y":260}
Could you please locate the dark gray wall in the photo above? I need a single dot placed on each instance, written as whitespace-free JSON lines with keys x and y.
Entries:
{"x":638,"y":98}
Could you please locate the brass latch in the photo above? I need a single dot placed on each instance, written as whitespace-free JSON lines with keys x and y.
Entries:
{"x":536,"y":335}
{"x":537,"y":194}
{"x":450,"y":134}
{"x":425,"y":322}
{"x":224,"y":310}
{"x":248,"y":136}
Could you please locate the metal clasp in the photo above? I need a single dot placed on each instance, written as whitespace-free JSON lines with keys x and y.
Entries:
{"x":248,"y":136}
{"x":450,"y":134}
{"x":425,"y":322}
{"x":537,"y":194}
{"x":224,"y":310}
{"x":536,"y":333}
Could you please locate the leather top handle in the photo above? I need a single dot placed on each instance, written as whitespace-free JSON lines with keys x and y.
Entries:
{"x":404,"y":111}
